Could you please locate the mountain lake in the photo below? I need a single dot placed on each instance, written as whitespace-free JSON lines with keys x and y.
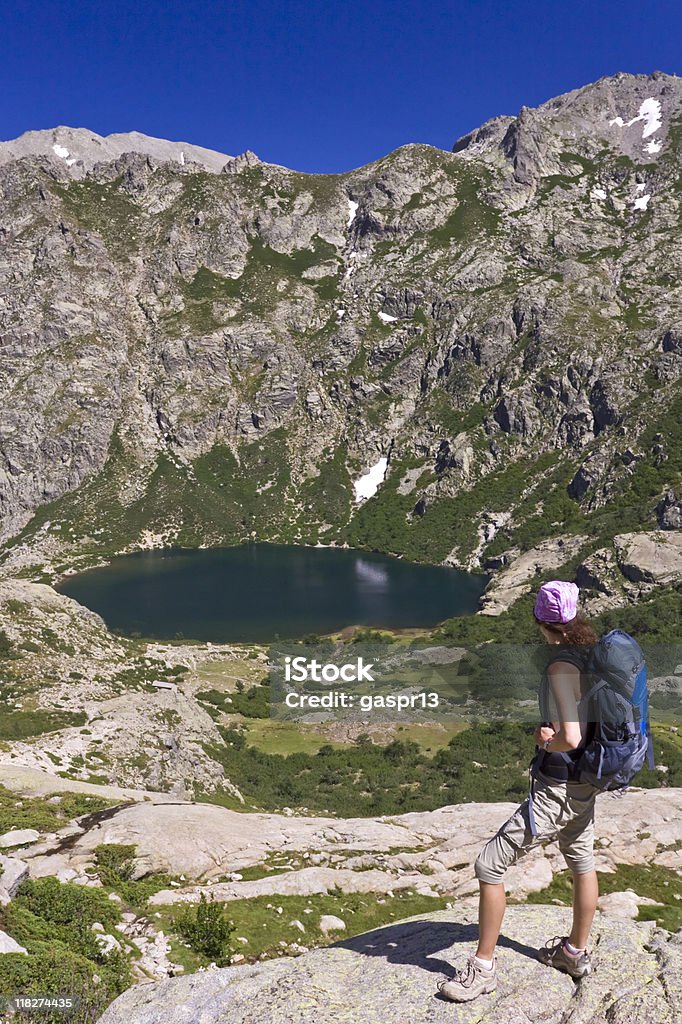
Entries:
{"x":258,"y":593}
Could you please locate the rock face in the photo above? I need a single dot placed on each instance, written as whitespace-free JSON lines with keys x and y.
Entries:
{"x":650,"y":557}
{"x":355,"y":854}
{"x":389,"y":976}
{"x":631,"y":569}
{"x":630,"y":111}
{"x":202,"y":358}
{"x":514,"y":579}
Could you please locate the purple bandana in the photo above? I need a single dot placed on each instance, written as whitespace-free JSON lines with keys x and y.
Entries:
{"x":556,"y":602}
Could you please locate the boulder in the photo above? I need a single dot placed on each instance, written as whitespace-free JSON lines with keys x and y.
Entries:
{"x":390,"y":976}
{"x":654,"y":557}
{"x":19,"y":837}
{"x":13,"y":872}
{"x":669,"y":511}
{"x":623,"y":905}
{"x":108,"y":943}
{"x":330,"y":923}
{"x":588,"y":474}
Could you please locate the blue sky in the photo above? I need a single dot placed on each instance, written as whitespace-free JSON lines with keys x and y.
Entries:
{"x":320,"y":86}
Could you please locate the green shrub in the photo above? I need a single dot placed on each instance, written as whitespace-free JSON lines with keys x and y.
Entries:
{"x":62,"y":903}
{"x":208,"y":930}
{"x":115,"y":863}
{"x":252,"y":703}
{"x":52,"y":969}
{"x":363,"y":780}
{"x":37,"y":813}
{"x":17,"y":725}
{"x":5,"y":645}
{"x":29,"y":928}
{"x":115,"y":860}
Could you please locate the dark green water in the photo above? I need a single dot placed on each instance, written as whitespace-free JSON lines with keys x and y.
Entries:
{"x":264,"y":592}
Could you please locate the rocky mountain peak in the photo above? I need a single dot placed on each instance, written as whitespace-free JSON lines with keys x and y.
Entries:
{"x":629,"y":115}
{"x":79,"y":149}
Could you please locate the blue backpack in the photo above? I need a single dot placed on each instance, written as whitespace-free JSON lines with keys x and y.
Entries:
{"x":616,"y":709}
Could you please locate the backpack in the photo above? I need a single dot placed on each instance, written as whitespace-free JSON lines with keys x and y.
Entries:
{"x":615,"y":706}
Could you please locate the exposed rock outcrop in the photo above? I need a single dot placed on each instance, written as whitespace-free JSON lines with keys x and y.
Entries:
{"x":355,"y":854}
{"x":78,"y":150}
{"x":516,"y":578}
{"x":669,"y":511}
{"x":635,"y":565}
{"x":650,"y":557}
{"x":389,"y":976}
{"x":13,"y":871}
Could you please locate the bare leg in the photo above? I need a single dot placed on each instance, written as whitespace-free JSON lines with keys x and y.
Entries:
{"x":585,"y":896}
{"x":491,"y":906}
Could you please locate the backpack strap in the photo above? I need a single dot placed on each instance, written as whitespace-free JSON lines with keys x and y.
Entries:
{"x":533,"y":770}
{"x":651,"y":763}
{"x":587,"y":697}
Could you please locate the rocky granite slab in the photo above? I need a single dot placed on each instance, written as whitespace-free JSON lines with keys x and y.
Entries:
{"x":210,"y":845}
{"x":390,"y":976}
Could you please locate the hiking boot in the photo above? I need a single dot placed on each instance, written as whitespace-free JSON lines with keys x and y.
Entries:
{"x":554,"y":954}
{"x":469,"y":982}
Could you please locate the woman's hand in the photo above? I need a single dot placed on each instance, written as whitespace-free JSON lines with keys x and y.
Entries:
{"x":542,"y":734}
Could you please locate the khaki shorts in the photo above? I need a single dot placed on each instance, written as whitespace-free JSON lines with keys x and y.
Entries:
{"x":563,"y":811}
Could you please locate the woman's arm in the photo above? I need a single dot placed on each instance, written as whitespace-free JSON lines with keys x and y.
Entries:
{"x":564,"y":681}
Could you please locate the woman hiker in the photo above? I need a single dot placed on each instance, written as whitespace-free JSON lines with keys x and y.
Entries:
{"x":561,"y":809}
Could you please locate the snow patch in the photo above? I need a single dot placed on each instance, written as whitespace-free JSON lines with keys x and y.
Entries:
{"x":387,"y":319}
{"x":368,"y":484}
{"x":352,"y":210}
{"x":63,"y":153}
{"x":653,"y":147}
{"x":641,"y":202}
{"x":340,"y":313}
{"x":598,"y":193}
{"x":649,"y":112}
{"x":182,"y":157}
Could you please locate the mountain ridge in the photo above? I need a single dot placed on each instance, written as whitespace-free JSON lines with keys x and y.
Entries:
{"x":207,"y":358}
{"x":81,"y":149}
